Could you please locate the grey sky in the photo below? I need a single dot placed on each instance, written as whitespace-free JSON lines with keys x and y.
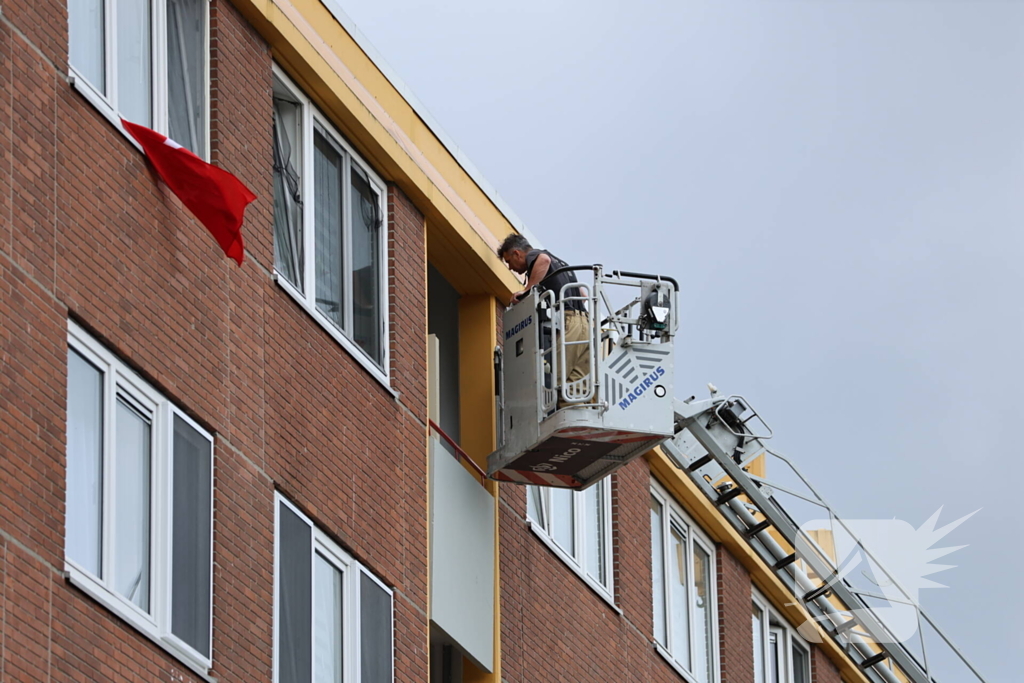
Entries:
{"x":839,"y":186}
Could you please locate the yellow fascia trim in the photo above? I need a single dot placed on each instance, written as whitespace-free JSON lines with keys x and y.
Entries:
{"x":716,"y":526}
{"x":334,"y":71}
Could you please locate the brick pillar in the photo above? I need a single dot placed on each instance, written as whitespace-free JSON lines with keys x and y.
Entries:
{"x":736,"y":645}
{"x":822,"y":668}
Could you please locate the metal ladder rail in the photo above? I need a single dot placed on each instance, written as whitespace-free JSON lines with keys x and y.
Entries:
{"x":784,"y":566}
{"x":688,"y":418}
{"x":922,"y":614}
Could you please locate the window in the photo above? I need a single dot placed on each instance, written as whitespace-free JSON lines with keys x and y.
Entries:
{"x":332,"y":618}
{"x":577,"y":526}
{"x":145,"y":61}
{"x":330,"y":232}
{"x":683,"y":581}
{"x":139,"y":517}
{"x":780,"y":655}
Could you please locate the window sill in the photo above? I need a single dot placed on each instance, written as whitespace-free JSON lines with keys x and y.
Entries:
{"x":354,"y":351}
{"x":99,"y":104}
{"x":94,"y":98}
{"x":88,"y":585}
{"x":601,"y":591}
{"x":674,"y":664}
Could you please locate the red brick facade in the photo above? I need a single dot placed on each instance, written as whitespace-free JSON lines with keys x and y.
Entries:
{"x":736,"y":632}
{"x":86,"y":233}
{"x":89,"y":235}
{"x":822,"y":668}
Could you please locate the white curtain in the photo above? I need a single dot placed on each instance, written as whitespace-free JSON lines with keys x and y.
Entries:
{"x":327,"y":635}
{"x":680,"y":611}
{"x":134,"y":70}
{"x":86,"y":41}
{"x":562,"y":519}
{"x":186,"y":77}
{"x":132,"y":504}
{"x":85,"y":464}
{"x":702,"y":614}
{"x":287,"y":192}
{"x":658,"y":570}
{"x":593,"y":503}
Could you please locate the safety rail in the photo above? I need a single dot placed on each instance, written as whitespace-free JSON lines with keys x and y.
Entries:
{"x":583,"y":389}
{"x":459,"y":454}
{"x":607,"y":325}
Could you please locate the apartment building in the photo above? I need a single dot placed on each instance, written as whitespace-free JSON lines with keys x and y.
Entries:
{"x":223,"y":473}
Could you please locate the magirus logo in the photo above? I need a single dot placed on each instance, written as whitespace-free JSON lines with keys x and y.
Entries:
{"x":642,"y":386}
{"x":885,"y":560}
{"x":519,"y":327}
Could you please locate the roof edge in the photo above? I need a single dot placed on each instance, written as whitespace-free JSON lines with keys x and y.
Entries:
{"x":421,"y":111}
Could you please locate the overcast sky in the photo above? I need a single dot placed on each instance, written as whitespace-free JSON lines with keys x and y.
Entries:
{"x":839,"y":187}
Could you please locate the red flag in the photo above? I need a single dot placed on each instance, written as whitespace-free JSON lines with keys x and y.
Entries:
{"x":214,"y":196}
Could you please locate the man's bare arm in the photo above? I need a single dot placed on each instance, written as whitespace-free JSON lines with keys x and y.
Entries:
{"x":539,"y":272}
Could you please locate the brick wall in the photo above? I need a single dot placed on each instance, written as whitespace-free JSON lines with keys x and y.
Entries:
{"x":822,"y":668}
{"x":556,"y":628}
{"x":86,"y":232}
{"x":736,"y":631}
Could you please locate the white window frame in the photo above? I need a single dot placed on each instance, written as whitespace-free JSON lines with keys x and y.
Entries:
{"x":352,"y":572}
{"x":118,"y":379}
{"x":312,"y":119}
{"x":673,"y":513}
{"x":576,"y":561}
{"x":774,"y":622}
{"x":107,"y":104}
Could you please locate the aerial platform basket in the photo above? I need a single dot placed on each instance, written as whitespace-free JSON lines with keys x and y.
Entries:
{"x":569,"y":430}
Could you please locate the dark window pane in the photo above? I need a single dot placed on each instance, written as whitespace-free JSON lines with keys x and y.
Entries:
{"x":375,"y":632}
{"x":367,"y":234}
{"x":191,"y":561}
{"x":328,"y":174}
{"x":295,"y":591}
{"x":800,"y":672}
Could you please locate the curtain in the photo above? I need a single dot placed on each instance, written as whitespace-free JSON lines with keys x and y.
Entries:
{"x":133,"y":443}
{"x":186,"y":78}
{"x":287,"y":193}
{"x":328,"y":641}
{"x":86,"y":38}
{"x":702,"y":618}
{"x":85,"y":464}
{"x":134,"y":70}
{"x":658,"y":571}
{"x":594,"y":505}
{"x":680,"y":607}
